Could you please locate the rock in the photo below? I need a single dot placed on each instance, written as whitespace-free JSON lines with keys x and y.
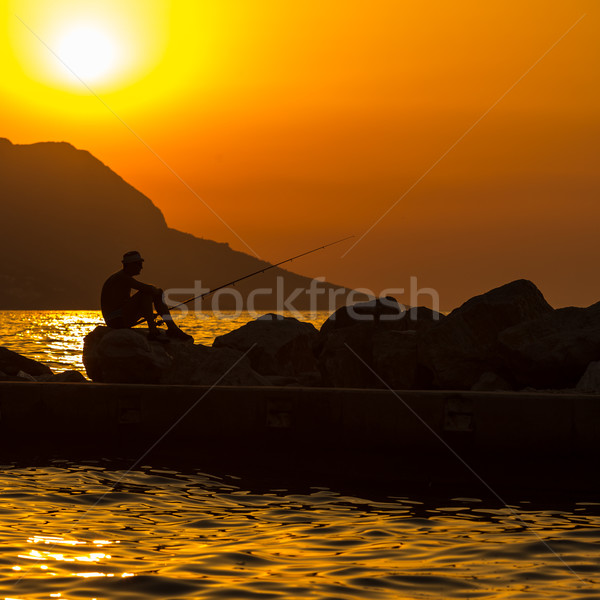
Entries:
{"x":11,"y":378}
{"x":11,"y":363}
{"x":491,"y":382}
{"x":277,"y":345}
{"x":195,"y":364}
{"x":590,"y":380}
{"x":464,"y":345}
{"x":25,"y":376}
{"x":554,"y":350}
{"x":281,"y":380}
{"x":395,"y":360}
{"x":345,"y":357}
{"x":123,"y":356}
{"x":385,"y":340}
{"x":420,"y":318}
{"x":386,"y":310}
{"x":70,"y":376}
{"x":372,"y":330}
{"x":367,"y":355}
{"x":126,"y":356}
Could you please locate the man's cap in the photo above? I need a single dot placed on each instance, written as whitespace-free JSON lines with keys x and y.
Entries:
{"x":132,"y":257}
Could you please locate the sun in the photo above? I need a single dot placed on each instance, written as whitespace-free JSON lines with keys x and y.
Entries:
{"x":87,"y":52}
{"x":88,"y":48}
{"x":65,"y":55}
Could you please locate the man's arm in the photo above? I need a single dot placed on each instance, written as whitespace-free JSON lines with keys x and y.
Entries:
{"x":142,"y":287}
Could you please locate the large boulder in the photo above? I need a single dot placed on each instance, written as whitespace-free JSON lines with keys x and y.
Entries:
{"x":345,"y":356}
{"x":124,"y":356}
{"x":367,"y":356}
{"x":371,"y":356}
{"x":12,"y":363}
{"x":195,"y":364}
{"x":127,"y":356}
{"x":70,"y":376}
{"x":396,"y":362}
{"x":385,"y":310}
{"x":464,"y":345}
{"x":374,"y":345}
{"x":491,"y":382}
{"x":554,"y":350}
{"x":378,"y":309}
{"x":590,"y":380}
{"x":276,"y":345}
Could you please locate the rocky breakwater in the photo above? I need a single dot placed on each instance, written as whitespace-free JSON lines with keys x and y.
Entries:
{"x":374,"y":345}
{"x":270,"y":350}
{"x":463,"y":351}
{"x":279,"y":348}
{"x":14,"y":367}
{"x":128,"y":356}
{"x":508,"y":338}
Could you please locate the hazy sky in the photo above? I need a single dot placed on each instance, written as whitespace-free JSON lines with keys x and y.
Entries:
{"x":457,"y":140}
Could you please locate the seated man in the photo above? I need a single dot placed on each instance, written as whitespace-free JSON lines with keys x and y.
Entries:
{"x":121,"y":310}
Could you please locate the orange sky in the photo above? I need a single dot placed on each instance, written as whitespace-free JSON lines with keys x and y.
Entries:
{"x":301,"y":123}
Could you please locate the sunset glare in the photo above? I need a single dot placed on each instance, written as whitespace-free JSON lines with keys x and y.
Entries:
{"x":87,"y":53}
{"x":65,"y":49}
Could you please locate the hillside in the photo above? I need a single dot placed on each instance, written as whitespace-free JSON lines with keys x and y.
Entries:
{"x":67,"y":219}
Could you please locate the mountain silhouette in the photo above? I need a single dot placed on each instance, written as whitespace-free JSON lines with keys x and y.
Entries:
{"x":67,"y":219}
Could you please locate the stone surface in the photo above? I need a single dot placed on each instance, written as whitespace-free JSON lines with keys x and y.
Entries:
{"x":11,"y":363}
{"x":491,"y":382}
{"x":70,"y":376}
{"x":395,"y":360}
{"x":384,"y":335}
{"x":464,"y":345}
{"x":195,"y":364}
{"x":126,"y":356}
{"x":372,"y":355}
{"x":420,"y":318}
{"x":275,"y":346}
{"x":590,"y":380}
{"x":384,"y":310}
{"x":343,"y":354}
{"x":374,"y":345}
{"x":554,"y":350}
{"x":25,"y":376}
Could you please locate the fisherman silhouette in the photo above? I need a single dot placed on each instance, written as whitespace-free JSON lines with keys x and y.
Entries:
{"x":122,"y":310}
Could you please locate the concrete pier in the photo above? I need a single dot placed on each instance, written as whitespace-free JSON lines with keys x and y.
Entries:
{"x":191,"y":417}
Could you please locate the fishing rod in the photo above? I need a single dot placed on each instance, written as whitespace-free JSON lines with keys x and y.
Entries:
{"x":213,"y":290}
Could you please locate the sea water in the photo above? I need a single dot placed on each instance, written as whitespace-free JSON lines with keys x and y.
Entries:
{"x":110,"y":529}
{"x":55,"y":337}
{"x":98,"y":530}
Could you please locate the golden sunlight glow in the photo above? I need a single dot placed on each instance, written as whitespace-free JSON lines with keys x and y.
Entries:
{"x":87,"y":53}
{"x":73,"y":556}
{"x":88,"y":48}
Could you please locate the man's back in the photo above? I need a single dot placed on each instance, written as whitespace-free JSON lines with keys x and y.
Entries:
{"x":115,"y":292}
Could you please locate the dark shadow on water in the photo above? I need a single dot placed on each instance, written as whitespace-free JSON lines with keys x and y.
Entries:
{"x":558,"y":486}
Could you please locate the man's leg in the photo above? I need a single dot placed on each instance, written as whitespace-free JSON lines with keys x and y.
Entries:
{"x":138,"y":307}
{"x":163,"y":310}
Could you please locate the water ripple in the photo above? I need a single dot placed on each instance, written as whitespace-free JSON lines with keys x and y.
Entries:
{"x":166,"y":534}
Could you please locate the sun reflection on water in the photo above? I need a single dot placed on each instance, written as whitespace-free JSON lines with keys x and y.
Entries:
{"x":56,"y":337}
{"x":54,"y":561}
{"x":52,"y":337}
